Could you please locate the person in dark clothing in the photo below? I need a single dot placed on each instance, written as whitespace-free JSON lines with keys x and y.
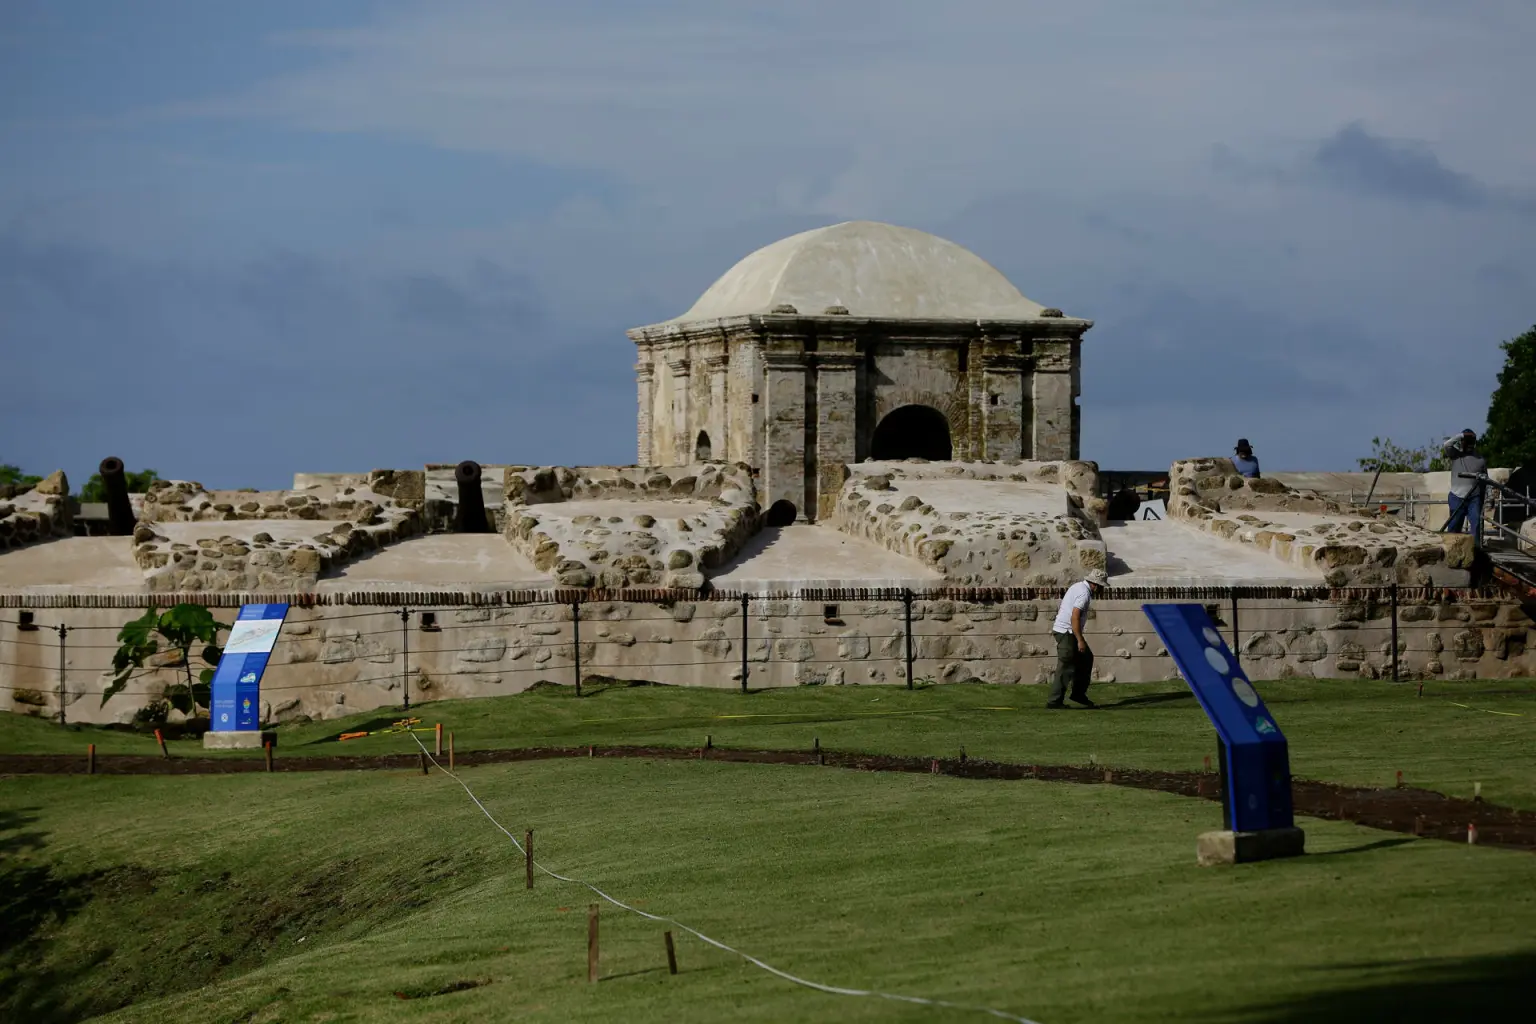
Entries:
{"x":1244,"y":460}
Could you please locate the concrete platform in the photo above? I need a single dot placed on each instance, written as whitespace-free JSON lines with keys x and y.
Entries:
{"x":444,"y":560}
{"x":72,"y":563}
{"x":247,"y":740}
{"x":803,"y":555}
{"x":1168,"y":553}
{"x":1213,"y":848}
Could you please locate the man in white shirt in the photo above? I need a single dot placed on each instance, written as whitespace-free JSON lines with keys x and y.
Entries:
{"x":1074,"y":660}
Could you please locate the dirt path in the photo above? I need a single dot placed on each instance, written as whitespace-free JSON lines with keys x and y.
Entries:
{"x":1411,"y":811}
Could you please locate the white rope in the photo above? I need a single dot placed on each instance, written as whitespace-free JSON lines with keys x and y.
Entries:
{"x":818,"y":986}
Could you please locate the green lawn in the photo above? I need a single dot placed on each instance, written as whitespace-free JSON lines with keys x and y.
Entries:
{"x":317,"y":897}
{"x":1352,"y":732}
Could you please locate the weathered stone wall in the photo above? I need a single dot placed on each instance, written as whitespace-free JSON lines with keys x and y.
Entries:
{"x":335,"y":660}
{"x":361,"y":521}
{"x":40,"y":513}
{"x":672,"y":543}
{"x":1043,"y":546}
{"x":1306,"y":529}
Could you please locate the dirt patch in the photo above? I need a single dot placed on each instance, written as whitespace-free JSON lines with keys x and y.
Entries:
{"x":1411,"y":811}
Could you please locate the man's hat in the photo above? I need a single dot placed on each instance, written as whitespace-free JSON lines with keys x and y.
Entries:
{"x":1098,"y":576}
{"x":1242,"y":444}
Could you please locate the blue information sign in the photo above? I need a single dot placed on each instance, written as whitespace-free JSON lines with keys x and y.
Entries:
{"x":1256,"y":768}
{"x":237,"y":681}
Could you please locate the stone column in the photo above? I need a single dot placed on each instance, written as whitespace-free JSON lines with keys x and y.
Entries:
{"x":783,"y":472}
{"x":1002,"y":406}
{"x":837,"y":376}
{"x":1052,"y":400}
{"x":682,"y":438}
{"x":716,"y":366}
{"x":645,"y":382}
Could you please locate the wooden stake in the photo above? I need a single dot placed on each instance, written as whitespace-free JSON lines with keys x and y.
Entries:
{"x":1472,"y":834}
{"x":161,"y":740}
{"x":267,"y":747}
{"x":1399,"y":780}
{"x":528,"y":855}
{"x":439,"y":730}
{"x":1207,"y":762}
{"x":592,"y":942}
{"x":816,"y":741}
{"x":709,"y":744}
{"x":450,"y":751}
{"x":1109,"y":776}
{"x":90,"y":759}
{"x":671,"y":953}
{"x":1418,"y":825}
{"x":423,"y":758}
{"x":1477,"y":792}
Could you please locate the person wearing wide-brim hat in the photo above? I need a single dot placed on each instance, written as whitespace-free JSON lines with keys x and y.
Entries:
{"x":1074,"y":658}
{"x":1243,"y":460}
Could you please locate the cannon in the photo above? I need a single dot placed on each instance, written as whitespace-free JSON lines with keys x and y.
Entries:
{"x":471,"y":514}
{"x":119,"y":509}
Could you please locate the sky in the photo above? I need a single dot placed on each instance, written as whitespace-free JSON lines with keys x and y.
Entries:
{"x":242,"y":240}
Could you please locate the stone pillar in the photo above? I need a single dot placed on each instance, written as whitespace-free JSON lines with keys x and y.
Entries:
{"x":1002,"y":406}
{"x":682,"y":437}
{"x":837,"y":377}
{"x":645,"y":382}
{"x":1052,"y":400}
{"x":716,"y":425}
{"x":783,"y":471}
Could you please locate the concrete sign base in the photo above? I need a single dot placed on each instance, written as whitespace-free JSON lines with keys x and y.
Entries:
{"x":245,"y":740}
{"x":1244,"y":847}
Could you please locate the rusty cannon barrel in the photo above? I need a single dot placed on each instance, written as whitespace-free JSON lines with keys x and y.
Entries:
{"x":471,"y":516}
{"x":119,"y":509}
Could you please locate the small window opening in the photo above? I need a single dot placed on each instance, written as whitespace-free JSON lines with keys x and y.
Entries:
{"x":993,"y":399}
{"x":965,"y":359}
{"x":754,"y":399}
{"x":24,"y":622}
{"x":429,"y":623}
{"x":702,"y":450}
{"x":829,"y":615}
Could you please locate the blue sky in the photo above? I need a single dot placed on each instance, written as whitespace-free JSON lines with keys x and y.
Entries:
{"x":239,"y":240}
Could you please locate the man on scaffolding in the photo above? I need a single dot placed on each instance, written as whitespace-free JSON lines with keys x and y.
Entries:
{"x":1466,"y":497}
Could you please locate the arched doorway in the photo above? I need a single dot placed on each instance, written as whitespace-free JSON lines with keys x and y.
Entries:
{"x":702,"y":450}
{"x":781,"y":513}
{"x":912,"y":432}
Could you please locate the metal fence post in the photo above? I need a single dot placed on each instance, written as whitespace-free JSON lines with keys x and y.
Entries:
{"x":906,"y":600}
{"x":63,"y":632}
{"x":1236,"y":650}
{"x":744,"y":600}
{"x":1394,"y":632}
{"x":405,"y":654}
{"x":576,"y":642}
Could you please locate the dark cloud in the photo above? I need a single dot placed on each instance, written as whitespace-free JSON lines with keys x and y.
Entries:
{"x":1355,"y":160}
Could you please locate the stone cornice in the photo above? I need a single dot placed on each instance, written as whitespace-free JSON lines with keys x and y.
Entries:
{"x":913,"y":329}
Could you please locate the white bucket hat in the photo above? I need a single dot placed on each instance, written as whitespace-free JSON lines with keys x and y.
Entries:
{"x":1098,"y":576}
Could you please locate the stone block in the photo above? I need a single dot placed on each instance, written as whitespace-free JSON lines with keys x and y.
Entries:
{"x":1224,"y":847}
{"x":244,"y":740}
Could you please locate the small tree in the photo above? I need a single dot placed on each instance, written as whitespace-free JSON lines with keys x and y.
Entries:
{"x":181,"y":629}
{"x":1391,"y":458}
{"x":12,"y":476}
{"x":95,"y":488}
{"x":1511,"y":437}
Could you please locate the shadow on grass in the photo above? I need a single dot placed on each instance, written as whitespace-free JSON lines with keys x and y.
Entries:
{"x":1380,"y":844}
{"x":1415,"y":992}
{"x":1149,"y":698}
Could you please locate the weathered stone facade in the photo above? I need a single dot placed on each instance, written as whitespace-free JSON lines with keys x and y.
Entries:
{"x":38,"y":513}
{"x":798,"y":391}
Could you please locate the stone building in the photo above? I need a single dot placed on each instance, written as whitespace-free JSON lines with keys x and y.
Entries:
{"x":851,"y":342}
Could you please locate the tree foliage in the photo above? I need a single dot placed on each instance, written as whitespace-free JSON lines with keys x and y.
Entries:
{"x":180,"y":629}
{"x":1511,"y":437}
{"x":95,"y":488}
{"x":12,"y":476}
{"x":1391,"y":458}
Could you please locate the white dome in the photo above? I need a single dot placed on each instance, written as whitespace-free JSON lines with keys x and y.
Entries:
{"x":872,"y":270}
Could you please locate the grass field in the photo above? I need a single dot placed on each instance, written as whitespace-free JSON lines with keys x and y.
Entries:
{"x":1355,"y":732}
{"x":329,"y":896}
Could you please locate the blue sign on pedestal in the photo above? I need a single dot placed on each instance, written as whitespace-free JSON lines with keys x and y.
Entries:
{"x":236,"y":683}
{"x":1256,"y":768}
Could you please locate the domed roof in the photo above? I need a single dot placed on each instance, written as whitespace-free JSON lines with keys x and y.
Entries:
{"x":870,"y":269}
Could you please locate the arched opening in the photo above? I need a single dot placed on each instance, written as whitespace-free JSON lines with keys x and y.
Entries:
{"x":912,"y":432}
{"x":781,"y":513}
{"x":702,"y":451}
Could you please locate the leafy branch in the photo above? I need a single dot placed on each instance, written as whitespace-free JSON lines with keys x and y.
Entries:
{"x":179,"y":629}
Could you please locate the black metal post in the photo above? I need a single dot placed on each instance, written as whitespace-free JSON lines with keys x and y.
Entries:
{"x":576,"y":641}
{"x":1394,"y":632}
{"x":1236,"y":650}
{"x":906,"y":600}
{"x":744,"y":600}
{"x":119,"y":508}
{"x":471,"y":510}
{"x":405,"y":654}
{"x":63,"y":632}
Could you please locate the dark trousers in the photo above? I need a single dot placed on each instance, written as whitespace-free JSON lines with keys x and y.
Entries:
{"x":1073,"y":668}
{"x":1467,"y":515}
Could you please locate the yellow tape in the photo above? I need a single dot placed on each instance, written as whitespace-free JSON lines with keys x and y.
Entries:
{"x":1511,"y":714}
{"x":814,"y":715}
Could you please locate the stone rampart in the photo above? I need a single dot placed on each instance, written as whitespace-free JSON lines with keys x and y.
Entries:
{"x":1042,"y":534}
{"x":340,"y":658}
{"x":1306,"y":529}
{"x":623,"y":526}
{"x":41,"y":513}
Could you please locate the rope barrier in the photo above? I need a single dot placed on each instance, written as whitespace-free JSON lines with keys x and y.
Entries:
{"x":754,"y":961}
